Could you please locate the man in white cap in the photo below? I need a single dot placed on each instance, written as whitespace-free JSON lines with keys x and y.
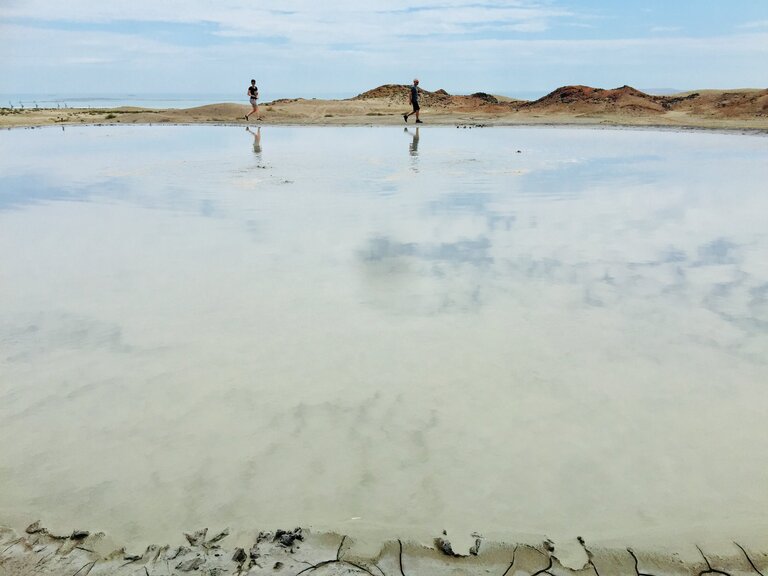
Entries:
{"x":413,"y":98}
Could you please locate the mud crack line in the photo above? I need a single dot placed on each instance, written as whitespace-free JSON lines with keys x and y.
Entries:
{"x":709,"y":569}
{"x":400,"y":543}
{"x":749,"y":559}
{"x":637,"y":564}
{"x":338,"y":560}
{"x":514,"y":552}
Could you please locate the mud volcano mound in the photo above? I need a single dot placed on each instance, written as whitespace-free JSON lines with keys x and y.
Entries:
{"x":723,"y":104}
{"x":398,"y":94}
{"x":588,"y":100}
{"x":629,"y":101}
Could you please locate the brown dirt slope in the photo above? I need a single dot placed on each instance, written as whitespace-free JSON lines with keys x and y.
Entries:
{"x":588,"y":100}
{"x":398,"y":94}
{"x":723,"y":104}
{"x":632,"y":102}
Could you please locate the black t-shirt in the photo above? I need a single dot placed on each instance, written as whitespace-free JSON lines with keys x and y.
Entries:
{"x":253,"y":91}
{"x":414,"y":95}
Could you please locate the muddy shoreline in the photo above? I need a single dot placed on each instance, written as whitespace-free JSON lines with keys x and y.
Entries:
{"x":302,"y":551}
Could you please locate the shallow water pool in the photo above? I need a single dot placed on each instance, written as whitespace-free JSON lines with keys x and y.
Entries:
{"x":505,"y":330}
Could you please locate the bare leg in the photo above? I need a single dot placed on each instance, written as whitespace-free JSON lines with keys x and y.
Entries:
{"x":406,"y":116}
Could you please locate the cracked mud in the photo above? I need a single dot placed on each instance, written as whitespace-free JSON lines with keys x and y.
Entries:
{"x":298,"y":551}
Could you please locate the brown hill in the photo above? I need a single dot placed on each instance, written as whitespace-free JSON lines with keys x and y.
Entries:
{"x":588,"y":100}
{"x":632,"y":102}
{"x":722,"y":103}
{"x":398,"y":94}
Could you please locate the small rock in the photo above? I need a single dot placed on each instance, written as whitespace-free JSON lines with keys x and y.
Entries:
{"x":34,"y":528}
{"x":549,"y":546}
{"x":239,"y":556}
{"x":254,"y":552}
{"x":197,"y":538}
{"x":79,"y":535}
{"x":220,"y":536}
{"x":476,"y":548}
{"x":286,"y":539}
{"x":444,"y":546}
{"x":190,"y":565}
{"x":277,"y":566}
{"x":180,"y":551}
{"x":152,"y":551}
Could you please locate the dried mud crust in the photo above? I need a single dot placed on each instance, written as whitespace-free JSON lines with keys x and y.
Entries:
{"x":295,"y":552}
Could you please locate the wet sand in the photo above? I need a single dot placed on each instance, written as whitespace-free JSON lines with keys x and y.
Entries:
{"x":333,"y":113}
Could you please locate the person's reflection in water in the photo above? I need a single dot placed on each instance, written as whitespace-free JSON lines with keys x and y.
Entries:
{"x":256,"y":144}
{"x":413,"y":147}
{"x":256,"y":139}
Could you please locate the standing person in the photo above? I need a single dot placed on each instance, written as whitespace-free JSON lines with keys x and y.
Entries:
{"x":253,"y":96}
{"x":413,"y":98}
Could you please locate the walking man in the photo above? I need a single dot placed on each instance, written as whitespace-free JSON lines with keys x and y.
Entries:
{"x":253,"y":97}
{"x":413,"y":98}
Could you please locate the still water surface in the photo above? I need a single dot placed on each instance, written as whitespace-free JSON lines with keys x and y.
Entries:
{"x":514,"y":330}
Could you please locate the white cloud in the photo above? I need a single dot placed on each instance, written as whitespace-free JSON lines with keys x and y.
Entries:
{"x":235,"y":15}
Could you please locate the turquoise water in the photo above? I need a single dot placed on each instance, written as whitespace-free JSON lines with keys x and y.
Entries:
{"x":508,"y":329}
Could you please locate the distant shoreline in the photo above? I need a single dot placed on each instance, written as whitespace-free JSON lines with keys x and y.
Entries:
{"x":583,"y":106}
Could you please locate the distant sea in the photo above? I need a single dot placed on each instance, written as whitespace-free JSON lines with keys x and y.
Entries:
{"x":139,"y":100}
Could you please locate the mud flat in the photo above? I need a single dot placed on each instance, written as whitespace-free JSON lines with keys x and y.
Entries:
{"x":292,"y":552}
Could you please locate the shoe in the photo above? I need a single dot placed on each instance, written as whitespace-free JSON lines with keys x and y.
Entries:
{"x":419,"y":122}
{"x":405,"y":117}
{"x":246,"y":117}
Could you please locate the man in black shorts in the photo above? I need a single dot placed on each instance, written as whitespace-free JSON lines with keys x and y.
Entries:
{"x":413,"y":98}
{"x":253,"y":97}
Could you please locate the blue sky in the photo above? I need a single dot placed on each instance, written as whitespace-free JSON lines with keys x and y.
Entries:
{"x":343,"y":47}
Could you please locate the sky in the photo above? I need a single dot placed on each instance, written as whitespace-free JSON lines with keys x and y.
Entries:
{"x":344,"y":47}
